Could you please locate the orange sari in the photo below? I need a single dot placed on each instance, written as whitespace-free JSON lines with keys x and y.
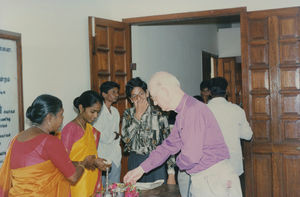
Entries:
{"x":42,"y":179}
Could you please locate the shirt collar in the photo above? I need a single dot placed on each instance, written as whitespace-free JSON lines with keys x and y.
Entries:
{"x":104,"y":107}
{"x":217,"y":100}
{"x":180,"y":107}
{"x":105,"y":110}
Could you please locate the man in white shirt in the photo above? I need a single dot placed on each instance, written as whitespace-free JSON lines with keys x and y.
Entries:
{"x":232,"y":121}
{"x":108,"y":124}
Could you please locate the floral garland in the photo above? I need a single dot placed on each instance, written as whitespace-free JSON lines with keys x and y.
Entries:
{"x":128,"y":189}
{"x":119,"y":189}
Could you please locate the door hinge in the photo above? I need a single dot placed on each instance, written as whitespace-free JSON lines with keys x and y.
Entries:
{"x":133,"y":66}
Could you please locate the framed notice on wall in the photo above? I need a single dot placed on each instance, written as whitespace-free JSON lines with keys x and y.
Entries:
{"x":11,"y":94}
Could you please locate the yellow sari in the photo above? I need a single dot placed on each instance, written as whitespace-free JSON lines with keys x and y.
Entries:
{"x":42,"y":179}
{"x":85,"y":187}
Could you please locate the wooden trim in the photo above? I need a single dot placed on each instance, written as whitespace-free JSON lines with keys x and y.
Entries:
{"x":104,"y":73}
{"x":279,"y":11}
{"x":20,"y":84}
{"x":129,"y":54}
{"x":103,"y":49}
{"x":187,"y":15}
{"x":17,"y":37}
{"x":107,"y":22}
{"x":247,"y":146}
{"x":92,"y":51}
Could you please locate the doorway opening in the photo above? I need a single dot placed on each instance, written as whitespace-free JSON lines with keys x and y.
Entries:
{"x":186,"y":46}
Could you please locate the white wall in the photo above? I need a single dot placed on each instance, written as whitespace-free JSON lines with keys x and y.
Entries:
{"x":54,"y":46}
{"x":176,"y":49}
{"x":55,"y":39}
{"x":136,"y":8}
{"x":229,"y":42}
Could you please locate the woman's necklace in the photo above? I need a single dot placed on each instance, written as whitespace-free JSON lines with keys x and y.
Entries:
{"x":80,"y":124}
{"x":41,"y":129}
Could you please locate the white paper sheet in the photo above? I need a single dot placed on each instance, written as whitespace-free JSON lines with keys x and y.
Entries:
{"x":147,"y":186}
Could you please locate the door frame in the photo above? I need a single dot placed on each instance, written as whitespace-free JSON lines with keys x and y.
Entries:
{"x":242,"y":12}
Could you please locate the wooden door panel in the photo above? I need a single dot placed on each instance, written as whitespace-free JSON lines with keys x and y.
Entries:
{"x":258,"y":54}
{"x":102,"y":61}
{"x":258,"y":29}
{"x":289,"y":51}
{"x":274,"y":102}
{"x":102,"y":36}
{"x":290,"y":78}
{"x":259,"y":79}
{"x":262,"y":165}
{"x":291,"y":170}
{"x":226,"y":68}
{"x":261,"y":130}
{"x":290,"y":104}
{"x":260,"y":105}
{"x":289,"y":26}
{"x":290,"y":130}
{"x":119,"y":62}
{"x":110,"y":57}
{"x":119,"y":45}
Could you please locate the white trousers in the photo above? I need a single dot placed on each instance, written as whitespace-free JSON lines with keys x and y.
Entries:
{"x":184,"y":182}
{"x":219,"y":180}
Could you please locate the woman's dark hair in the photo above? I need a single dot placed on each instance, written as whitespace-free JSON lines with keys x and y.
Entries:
{"x":42,"y":106}
{"x":218,"y":86}
{"x":87,"y":99}
{"x":135,"y":82}
{"x":106,"y":86}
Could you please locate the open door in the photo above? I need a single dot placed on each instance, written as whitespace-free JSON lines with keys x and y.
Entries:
{"x":231,"y":71}
{"x":273,"y":158}
{"x":110,"y":57}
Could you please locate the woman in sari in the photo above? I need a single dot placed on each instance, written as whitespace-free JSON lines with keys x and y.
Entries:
{"x":81,"y":139}
{"x":37,"y":163}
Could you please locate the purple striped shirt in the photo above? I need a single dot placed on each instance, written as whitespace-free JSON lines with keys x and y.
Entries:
{"x":196,"y":134}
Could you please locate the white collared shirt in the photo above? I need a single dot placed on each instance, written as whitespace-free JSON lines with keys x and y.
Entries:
{"x":108,"y":123}
{"x":234,"y":126}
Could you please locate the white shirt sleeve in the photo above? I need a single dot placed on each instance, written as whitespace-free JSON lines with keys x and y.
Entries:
{"x":245,"y":131}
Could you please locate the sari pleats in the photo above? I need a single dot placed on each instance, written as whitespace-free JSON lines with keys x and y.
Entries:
{"x":85,"y":187}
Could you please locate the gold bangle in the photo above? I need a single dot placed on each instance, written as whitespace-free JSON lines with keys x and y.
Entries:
{"x":79,"y":164}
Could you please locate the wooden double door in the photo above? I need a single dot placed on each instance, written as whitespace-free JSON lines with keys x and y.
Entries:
{"x":271,"y":81}
{"x":271,"y":90}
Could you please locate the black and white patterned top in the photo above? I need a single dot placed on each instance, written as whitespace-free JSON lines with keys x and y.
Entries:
{"x":144,"y":135}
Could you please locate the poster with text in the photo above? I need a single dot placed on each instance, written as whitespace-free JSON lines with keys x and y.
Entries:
{"x":9,"y":115}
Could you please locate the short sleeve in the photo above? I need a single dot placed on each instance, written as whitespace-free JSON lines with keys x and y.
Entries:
{"x":56,"y":152}
{"x":70,"y":134}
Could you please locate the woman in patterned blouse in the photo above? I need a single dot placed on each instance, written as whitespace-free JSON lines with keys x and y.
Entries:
{"x":144,"y":128}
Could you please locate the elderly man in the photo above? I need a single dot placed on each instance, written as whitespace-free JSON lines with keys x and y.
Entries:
{"x":196,"y":134}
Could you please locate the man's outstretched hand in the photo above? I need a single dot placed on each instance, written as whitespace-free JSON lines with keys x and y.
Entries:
{"x":133,"y":175}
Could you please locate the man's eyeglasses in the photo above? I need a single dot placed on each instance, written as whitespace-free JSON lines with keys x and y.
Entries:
{"x":134,"y":96}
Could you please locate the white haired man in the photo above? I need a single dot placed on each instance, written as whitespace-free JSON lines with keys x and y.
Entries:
{"x":196,"y":134}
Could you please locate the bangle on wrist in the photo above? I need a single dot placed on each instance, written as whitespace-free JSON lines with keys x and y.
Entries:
{"x":81,"y":165}
{"x":171,"y":171}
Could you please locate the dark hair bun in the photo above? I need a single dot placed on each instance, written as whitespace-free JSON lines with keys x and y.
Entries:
{"x":36,"y":113}
{"x":42,"y":106}
{"x":76,"y":102}
{"x":87,"y":99}
{"x":28,"y":112}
